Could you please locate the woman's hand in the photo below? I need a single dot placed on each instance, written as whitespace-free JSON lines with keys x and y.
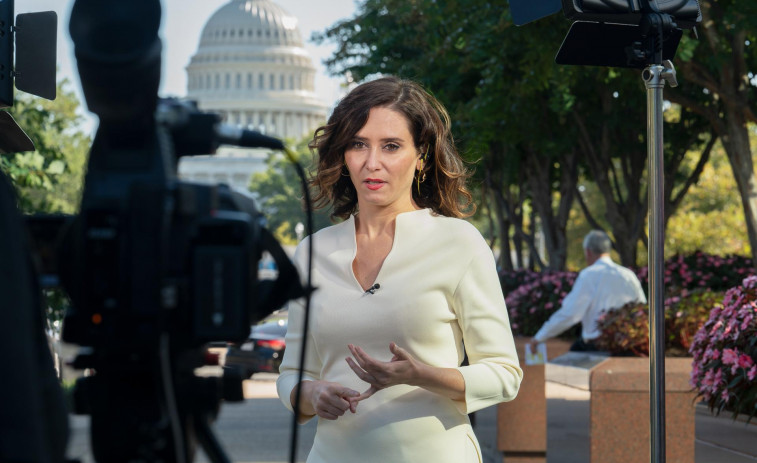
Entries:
{"x":403,"y":368}
{"x":326,"y":399}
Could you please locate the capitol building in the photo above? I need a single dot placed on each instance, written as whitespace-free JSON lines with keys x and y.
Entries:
{"x":252,"y":69}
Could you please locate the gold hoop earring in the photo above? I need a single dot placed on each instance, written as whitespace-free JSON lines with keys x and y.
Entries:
{"x":420,"y":179}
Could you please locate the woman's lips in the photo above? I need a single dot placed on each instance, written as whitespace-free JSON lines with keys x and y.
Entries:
{"x":373,"y":184}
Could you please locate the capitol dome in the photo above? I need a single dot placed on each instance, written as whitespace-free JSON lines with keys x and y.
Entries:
{"x":252,"y":68}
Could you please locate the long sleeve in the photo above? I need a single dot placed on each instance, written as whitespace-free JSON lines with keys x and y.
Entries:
{"x":494,"y":374}
{"x":572,"y":310}
{"x":290,"y":364}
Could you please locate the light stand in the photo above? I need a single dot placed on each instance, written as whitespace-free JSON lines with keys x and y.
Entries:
{"x":654,"y":78}
{"x":650,"y":46}
{"x":643,"y":34}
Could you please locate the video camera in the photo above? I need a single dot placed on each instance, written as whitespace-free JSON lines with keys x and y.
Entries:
{"x":155,"y":267}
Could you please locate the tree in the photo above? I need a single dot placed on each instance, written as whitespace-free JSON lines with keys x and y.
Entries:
{"x":49,"y":179}
{"x":468,"y":55}
{"x":717,"y":82}
{"x":534,"y":125}
{"x":280,"y":195}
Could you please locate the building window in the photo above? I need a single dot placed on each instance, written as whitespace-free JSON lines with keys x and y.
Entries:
{"x":227,"y":81}
{"x":239,"y":80}
{"x":281,"y":82}
{"x":260,"y":81}
{"x":272,"y":82}
{"x":249,"y":80}
{"x":218,"y":81}
{"x":291,"y":82}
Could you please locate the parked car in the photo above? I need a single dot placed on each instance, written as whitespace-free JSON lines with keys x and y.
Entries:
{"x":263,"y":350}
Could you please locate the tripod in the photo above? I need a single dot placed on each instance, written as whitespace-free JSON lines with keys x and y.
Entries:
{"x":655,"y":27}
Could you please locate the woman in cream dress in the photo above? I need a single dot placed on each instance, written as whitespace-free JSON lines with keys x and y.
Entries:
{"x":404,"y":289}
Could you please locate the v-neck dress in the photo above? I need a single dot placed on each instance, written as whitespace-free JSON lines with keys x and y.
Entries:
{"x":438,"y":289}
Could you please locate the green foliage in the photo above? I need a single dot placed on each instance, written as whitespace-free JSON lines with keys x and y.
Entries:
{"x":711,"y":218}
{"x":280,"y":192}
{"x":49,"y":179}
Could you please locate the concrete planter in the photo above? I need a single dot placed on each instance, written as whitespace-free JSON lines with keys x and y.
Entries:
{"x":522,"y":423}
{"x":620,"y":430}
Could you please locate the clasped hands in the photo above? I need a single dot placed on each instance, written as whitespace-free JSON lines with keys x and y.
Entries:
{"x":331,"y":400}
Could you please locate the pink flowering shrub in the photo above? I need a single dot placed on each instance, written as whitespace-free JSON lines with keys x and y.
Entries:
{"x":700,"y":270}
{"x":625,"y":331}
{"x":531,"y":303}
{"x":724,"y":371}
{"x":513,"y":279}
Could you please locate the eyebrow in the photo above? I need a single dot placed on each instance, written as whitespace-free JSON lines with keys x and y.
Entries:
{"x":383,"y":140}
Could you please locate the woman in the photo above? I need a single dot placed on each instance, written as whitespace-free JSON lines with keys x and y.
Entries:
{"x":401,"y":284}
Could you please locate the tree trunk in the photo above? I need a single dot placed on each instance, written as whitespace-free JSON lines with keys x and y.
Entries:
{"x":539,"y":171}
{"x":736,"y":145}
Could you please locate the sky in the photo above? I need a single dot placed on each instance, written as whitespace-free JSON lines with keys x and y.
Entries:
{"x":181,"y":25}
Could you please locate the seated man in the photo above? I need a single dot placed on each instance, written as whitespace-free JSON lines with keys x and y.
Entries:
{"x":602,"y":285}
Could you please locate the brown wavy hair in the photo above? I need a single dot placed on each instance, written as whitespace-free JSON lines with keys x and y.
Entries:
{"x":444,"y":190}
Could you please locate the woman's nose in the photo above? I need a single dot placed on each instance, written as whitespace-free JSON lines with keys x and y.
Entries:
{"x":373,"y":161}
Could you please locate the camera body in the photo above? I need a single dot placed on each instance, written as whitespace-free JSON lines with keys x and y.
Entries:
{"x":156,"y":268}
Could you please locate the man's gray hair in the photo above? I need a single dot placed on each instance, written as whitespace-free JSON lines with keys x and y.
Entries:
{"x":597,"y":242}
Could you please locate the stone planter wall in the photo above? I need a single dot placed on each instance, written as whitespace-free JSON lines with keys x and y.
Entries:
{"x":522,"y":423}
{"x":620,"y":428}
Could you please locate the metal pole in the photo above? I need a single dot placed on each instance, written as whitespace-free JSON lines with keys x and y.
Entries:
{"x":654,"y":78}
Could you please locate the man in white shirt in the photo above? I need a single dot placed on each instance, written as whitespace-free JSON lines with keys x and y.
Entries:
{"x":602,"y":285}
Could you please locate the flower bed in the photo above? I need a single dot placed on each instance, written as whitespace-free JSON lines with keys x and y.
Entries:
{"x":724,"y":372}
{"x":625,"y":331}
{"x":532,"y":303}
{"x":701,"y":271}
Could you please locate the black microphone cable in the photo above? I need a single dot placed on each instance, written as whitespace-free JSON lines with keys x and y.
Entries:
{"x":309,"y":289}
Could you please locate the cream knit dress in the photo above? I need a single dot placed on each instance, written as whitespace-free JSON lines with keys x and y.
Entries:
{"x":438,"y":289}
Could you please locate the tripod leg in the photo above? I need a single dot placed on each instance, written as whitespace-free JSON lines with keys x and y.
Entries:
{"x":208,"y":440}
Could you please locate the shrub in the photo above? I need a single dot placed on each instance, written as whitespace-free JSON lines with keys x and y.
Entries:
{"x":724,"y":372}
{"x":625,"y":331}
{"x":531,"y":304}
{"x":701,"y":271}
{"x":514,"y":279}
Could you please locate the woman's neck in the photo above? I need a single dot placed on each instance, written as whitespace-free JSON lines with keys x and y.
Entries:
{"x":374,"y":221}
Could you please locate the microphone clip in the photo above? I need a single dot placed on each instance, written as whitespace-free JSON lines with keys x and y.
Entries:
{"x":373,"y":288}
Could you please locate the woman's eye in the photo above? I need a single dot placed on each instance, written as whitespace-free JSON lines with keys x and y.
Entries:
{"x":357,"y":145}
{"x":392,"y":147}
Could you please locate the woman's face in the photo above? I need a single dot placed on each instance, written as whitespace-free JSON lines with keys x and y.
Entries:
{"x":382,"y":160}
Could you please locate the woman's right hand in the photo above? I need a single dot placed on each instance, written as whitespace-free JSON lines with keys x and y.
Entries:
{"x":325,"y":399}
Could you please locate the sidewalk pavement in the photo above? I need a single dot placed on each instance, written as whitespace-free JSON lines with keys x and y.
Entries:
{"x":258,"y":430}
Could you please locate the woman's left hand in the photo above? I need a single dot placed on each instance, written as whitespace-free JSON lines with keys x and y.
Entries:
{"x":403,"y":368}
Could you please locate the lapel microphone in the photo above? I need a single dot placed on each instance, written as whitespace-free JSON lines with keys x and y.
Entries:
{"x":373,"y":288}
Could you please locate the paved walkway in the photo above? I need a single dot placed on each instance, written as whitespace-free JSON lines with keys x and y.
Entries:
{"x":258,"y":430}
